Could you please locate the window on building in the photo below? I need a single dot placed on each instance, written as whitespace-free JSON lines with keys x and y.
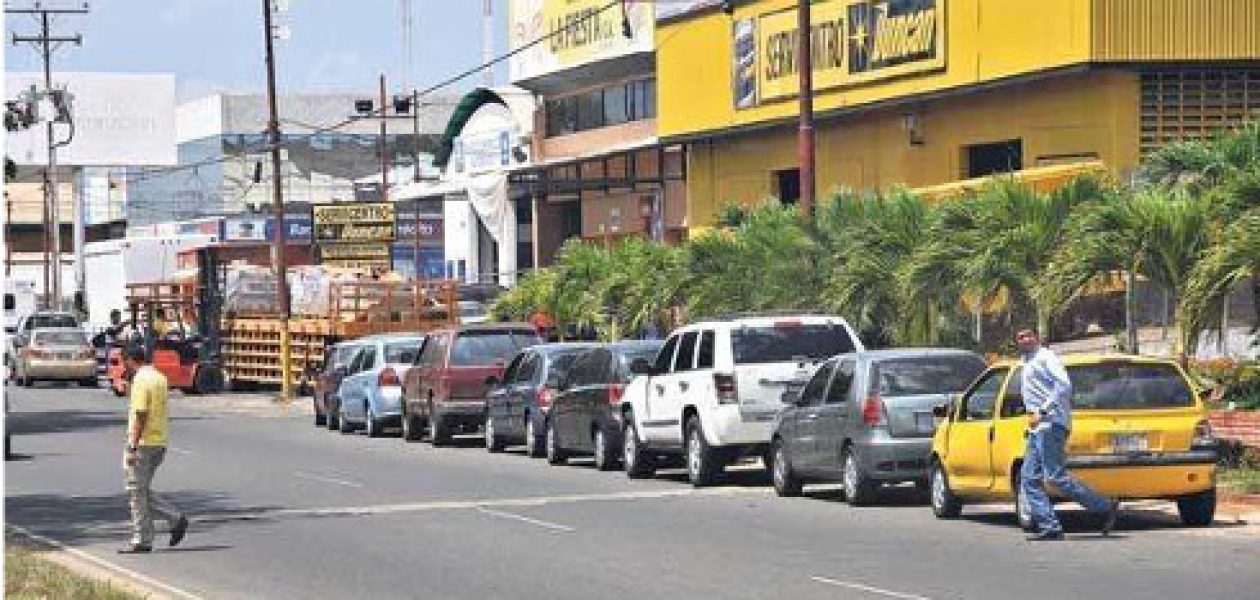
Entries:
{"x":982,"y":160}
{"x":611,"y":105}
{"x":571,"y":219}
{"x":787,"y":185}
{"x":590,"y":110}
{"x":616,"y":109}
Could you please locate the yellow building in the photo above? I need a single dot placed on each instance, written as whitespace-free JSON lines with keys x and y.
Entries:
{"x":926,"y":92}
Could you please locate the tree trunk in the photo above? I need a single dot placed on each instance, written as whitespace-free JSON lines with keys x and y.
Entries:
{"x":978,"y":313}
{"x":1130,"y":319}
{"x":1043,"y":323}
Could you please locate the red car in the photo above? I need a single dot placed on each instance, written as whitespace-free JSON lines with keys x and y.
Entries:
{"x":445,"y":392}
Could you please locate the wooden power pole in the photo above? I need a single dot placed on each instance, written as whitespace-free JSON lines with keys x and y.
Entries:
{"x":278,"y":241}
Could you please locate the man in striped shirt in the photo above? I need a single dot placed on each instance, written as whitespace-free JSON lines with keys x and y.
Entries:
{"x":1047,"y":393}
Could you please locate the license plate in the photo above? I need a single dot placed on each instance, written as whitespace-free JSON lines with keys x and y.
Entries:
{"x":925,"y":421}
{"x":1128,"y":442}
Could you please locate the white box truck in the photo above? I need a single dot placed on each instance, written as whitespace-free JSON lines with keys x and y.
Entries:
{"x":113,"y":264}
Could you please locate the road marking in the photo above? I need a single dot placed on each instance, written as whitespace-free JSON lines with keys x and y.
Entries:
{"x":313,"y":477}
{"x":867,"y":588}
{"x":80,"y":554}
{"x":525,"y":519}
{"x":179,"y":450}
{"x":380,"y":509}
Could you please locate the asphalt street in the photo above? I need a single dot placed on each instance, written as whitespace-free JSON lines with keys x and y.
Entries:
{"x":285,"y":510}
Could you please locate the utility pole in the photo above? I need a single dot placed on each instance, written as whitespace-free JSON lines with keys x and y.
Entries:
{"x":47,"y":43}
{"x":384,"y":146}
{"x":805,"y":133}
{"x":278,"y":242}
{"x":487,"y":43}
{"x":415,"y":135}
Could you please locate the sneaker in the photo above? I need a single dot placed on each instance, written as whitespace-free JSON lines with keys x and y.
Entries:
{"x":136,"y":549}
{"x":1049,"y":535}
{"x":179,"y":530}
{"x":1109,"y":518}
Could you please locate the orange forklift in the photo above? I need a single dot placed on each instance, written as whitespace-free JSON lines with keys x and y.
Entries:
{"x":178,"y":324}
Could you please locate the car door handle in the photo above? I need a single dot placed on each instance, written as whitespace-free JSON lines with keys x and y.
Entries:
{"x":684,"y":386}
{"x":660,"y":389}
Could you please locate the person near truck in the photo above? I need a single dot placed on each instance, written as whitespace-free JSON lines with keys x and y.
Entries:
{"x":147,"y":423}
{"x":1047,"y":394}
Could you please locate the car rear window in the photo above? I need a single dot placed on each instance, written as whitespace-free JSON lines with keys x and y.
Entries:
{"x":52,"y":321}
{"x":627,"y":356}
{"x":488,"y":347}
{"x":403,"y":352}
{"x":559,"y":365}
{"x":918,"y":375}
{"x":60,"y":338}
{"x":789,"y":342}
{"x":1128,"y":386}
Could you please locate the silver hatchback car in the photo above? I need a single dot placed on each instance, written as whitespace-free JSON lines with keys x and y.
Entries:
{"x":865,"y":419}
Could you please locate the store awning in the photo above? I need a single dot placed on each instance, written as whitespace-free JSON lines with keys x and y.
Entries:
{"x":1042,"y":179}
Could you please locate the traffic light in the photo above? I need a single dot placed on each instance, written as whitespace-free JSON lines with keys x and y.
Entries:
{"x":402,"y":105}
{"x":63,"y":105}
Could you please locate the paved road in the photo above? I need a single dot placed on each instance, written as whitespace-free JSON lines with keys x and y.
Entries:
{"x":285,"y":510}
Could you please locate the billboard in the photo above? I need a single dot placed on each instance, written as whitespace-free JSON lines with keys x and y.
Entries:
{"x":575,"y":33}
{"x":354,"y":222}
{"x":119,"y":120}
{"x":852,"y":42}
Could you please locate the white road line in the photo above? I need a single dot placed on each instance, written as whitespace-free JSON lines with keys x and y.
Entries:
{"x":867,"y":588}
{"x":80,"y":554}
{"x":312,"y":477}
{"x":380,"y":509}
{"x":179,"y":450}
{"x":524,"y":519}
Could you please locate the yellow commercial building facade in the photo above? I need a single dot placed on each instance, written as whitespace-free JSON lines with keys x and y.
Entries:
{"x":926,"y":92}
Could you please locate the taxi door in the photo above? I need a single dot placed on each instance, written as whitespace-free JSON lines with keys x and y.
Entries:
{"x":1009,"y":437}
{"x":968,"y":454}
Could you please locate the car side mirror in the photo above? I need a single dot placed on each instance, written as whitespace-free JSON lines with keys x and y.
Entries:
{"x":941,"y":411}
{"x":641,"y":366}
{"x":492,"y":381}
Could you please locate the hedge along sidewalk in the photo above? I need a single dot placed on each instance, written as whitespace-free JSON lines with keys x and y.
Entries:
{"x":37,"y":568}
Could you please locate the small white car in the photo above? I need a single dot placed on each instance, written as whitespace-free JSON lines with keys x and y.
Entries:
{"x":714,"y":391}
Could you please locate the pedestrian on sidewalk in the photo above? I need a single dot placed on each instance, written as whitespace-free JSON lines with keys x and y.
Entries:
{"x":1047,"y":394}
{"x":146,"y":447}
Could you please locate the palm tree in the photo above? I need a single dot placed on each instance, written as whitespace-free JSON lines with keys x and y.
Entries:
{"x":1235,"y":257}
{"x":1157,"y":233}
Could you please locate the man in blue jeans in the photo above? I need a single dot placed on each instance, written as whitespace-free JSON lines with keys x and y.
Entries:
{"x":1047,"y":392}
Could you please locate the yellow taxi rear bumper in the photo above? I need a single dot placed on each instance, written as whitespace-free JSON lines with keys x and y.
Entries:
{"x":1137,"y":481}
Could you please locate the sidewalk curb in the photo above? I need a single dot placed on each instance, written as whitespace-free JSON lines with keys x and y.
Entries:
{"x":84,"y":564}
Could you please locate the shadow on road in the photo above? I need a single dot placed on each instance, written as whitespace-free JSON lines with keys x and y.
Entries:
{"x":80,"y":520}
{"x":1081,"y":521}
{"x":68,"y":421}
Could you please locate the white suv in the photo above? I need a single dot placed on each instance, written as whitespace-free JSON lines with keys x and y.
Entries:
{"x":715,"y":389}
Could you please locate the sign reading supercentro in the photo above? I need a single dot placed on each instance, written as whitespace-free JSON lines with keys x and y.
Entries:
{"x":851,"y":42}
{"x":354,"y":234}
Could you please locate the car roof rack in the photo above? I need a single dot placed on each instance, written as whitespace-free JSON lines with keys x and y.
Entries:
{"x":778,"y":312}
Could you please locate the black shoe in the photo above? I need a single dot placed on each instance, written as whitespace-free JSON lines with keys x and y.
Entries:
{"x":1109,"y":518}
{"x":1046,"y":536}
{"x":178,"y":531}
{"x":136,"y":549}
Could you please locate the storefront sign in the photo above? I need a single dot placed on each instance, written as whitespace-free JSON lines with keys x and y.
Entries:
{"x":851,"y":42}
{"x":430,"y":229}
{"x":368,"y":256}
{"x":482,"y":151}
{"x":257,"y":228}
{"x":353,"y":222}
{"x":577,"y":32}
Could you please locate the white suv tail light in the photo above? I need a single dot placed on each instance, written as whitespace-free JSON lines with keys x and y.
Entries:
{"x":724,"y":385}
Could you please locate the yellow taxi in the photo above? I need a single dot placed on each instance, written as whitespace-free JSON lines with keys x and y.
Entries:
{"x":1139,"y":431}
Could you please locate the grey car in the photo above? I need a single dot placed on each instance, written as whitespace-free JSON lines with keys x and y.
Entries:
{"x":865,"y":419}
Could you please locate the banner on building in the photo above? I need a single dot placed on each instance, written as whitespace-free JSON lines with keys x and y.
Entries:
{"x":258,"y":228}
{"x":852,"y":42}
{"x":353,"y":222}
{"x":577,"y":32}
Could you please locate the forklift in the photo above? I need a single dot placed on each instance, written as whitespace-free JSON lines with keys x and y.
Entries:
{"x":189,"y":357}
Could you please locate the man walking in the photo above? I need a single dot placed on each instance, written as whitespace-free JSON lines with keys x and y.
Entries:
{"x":1047,"y":392}
{"x":146,"y":447}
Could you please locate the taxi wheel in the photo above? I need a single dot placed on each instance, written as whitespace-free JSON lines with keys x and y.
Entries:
{"x":945,"y":505}
{"x":1198,"y":510}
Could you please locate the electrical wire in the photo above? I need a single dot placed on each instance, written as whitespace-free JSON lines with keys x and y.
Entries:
{"x":381,"y":111}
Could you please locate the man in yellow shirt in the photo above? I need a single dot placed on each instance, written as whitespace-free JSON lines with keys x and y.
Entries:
{"x":146,"y":447}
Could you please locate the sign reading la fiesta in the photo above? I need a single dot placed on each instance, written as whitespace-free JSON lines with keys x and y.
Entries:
{"x":851,"y":42}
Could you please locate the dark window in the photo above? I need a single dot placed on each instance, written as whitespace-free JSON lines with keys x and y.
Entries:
{"x":665,"y":358}
{"x":509,"y":374}
{"x":977,"y":405}
{"x":789,"y":342}
{"x":649,"y":99}
{"x":571,"y":219}
{"x":51,"y":321}
{"x":812,"y":394}
{"x":558,"y":366}
{"x":587,"y":368}
{"x":616,"y":109}
{"x":631,"y":354}
{"x":1013,"y":398}
{"x":403,"y":352}
{"x":10,"y":302}
{"x":925,"y":375}
{"x":434,"y":354}
{"x":842,"y":385}
{"x":704,"y":359}
{"x":369,"y":358}
{"x":787,"y":185}
{"x":527,"y":369}
{"x":686,"y":352}
{"x":590,"y":110}
{"x":489,"y":347}
{"x":993,"y":159}
{"x":1128,"y":386}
